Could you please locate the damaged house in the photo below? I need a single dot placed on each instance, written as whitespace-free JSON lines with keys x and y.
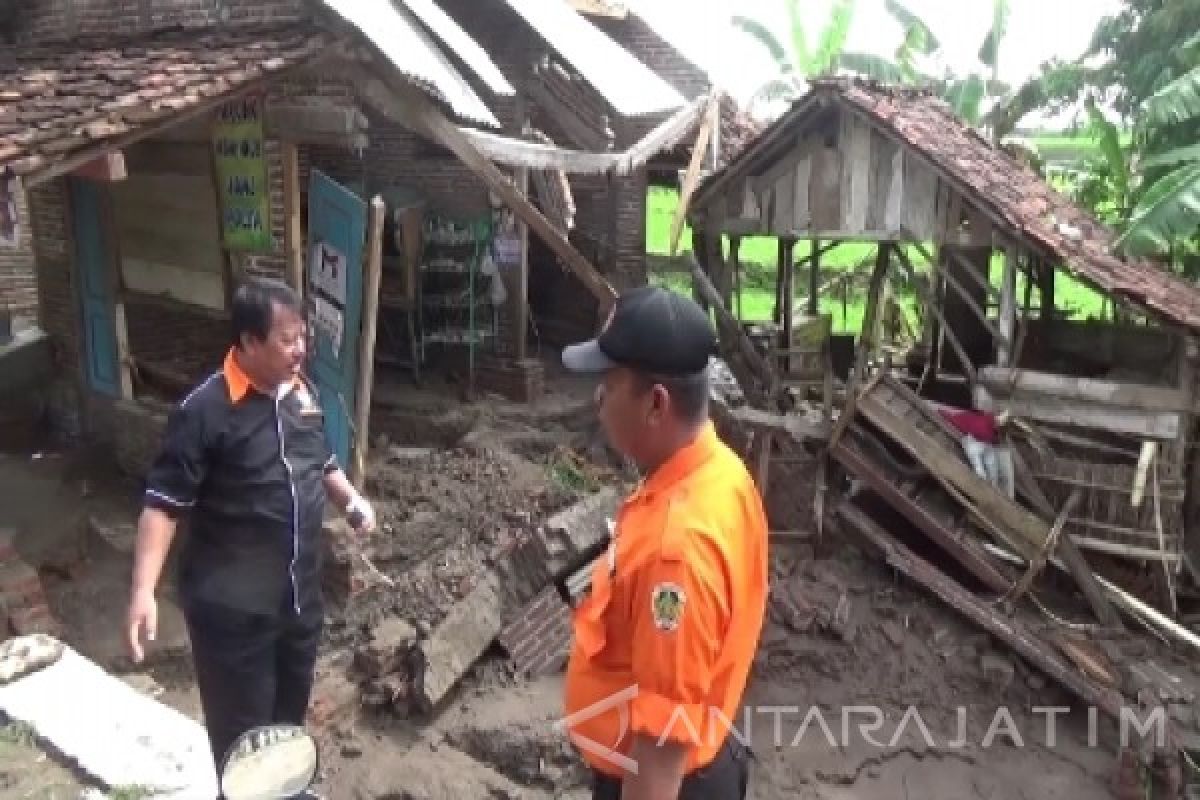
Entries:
{"x":1008,"y":434}
{"x":167,"y":149}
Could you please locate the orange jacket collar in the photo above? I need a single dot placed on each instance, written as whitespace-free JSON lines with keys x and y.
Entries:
{"x":684,"y":461}
{"x":237,"y":380}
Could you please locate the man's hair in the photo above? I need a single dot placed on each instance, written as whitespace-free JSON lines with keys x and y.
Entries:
{"x":254,"y":307}
{"x":689,"y":392}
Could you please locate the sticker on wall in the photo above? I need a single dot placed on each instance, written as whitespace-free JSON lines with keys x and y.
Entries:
{"x":327,"y":272}
{"x":328,"y":319}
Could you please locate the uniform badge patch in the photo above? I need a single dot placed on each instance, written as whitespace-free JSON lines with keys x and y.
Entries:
{"x":666,"y":604}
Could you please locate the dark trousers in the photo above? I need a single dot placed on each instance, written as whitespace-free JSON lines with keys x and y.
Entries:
{"x":251,"y":669}
{"x":725,"y":778}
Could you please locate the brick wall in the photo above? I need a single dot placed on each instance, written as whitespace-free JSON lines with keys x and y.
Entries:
{"x":638,"y":38}
{"x":52,"y":245}
{"x":48,"y":20}
{"x":17,"y":293}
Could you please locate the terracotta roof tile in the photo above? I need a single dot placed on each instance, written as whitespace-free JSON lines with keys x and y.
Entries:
{"x":62,"y":99}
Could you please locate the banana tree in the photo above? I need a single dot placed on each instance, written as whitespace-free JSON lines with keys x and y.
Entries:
{"x":797,"y":62}
{"x":1168,"y":201}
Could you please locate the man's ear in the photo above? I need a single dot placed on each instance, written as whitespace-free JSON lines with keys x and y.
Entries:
{"x":660,"y":401}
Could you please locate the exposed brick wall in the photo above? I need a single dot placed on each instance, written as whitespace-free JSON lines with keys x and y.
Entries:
{"x":140,"y":435}
{"x":48,"y":20}
{"x":538,"y":640}
{"x":187,"y":340}
{"x":17,"y":293}
{"x":52,"y":248}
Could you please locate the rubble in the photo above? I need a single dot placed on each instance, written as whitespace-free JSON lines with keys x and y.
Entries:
{"x":457,"y":643}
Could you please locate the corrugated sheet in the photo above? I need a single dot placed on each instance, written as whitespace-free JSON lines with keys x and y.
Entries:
{"x":537,"y":155}
{"x":400,"y":37}
{"x":630,"y":87}
{"x":461,"y":44}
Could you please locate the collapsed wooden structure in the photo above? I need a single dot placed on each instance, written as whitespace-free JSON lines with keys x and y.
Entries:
{"x":1097,"y":415}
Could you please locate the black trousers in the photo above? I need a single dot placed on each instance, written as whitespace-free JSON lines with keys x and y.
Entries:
{"x":251,"y":669}
{"x":725,"y":778}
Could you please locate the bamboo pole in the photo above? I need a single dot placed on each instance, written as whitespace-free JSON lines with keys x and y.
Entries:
{"x":366,"y":360}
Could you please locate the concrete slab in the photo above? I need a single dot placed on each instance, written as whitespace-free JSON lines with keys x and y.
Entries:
{"x":115,"y":734}
{"x":465,"y":634}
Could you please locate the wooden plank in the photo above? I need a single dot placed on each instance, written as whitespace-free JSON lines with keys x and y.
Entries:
{"x":856,"y":173}
{"x":408,"y":106}
{"x":366,"y":356}
{"x":579,"y":132}
{"x":801,"y":212}
{"x":1011,"y":631}
{"x":753,"y":372}
{"x":884,"y":157}
{"x":960,"y":548}
{"x":1163,"y":425}
{"x":1008,"y":307}
{"x":785,"y":209}
{"x":112,"y":259}
{"x":970,"y":302}
{"x":932,"y":307}
{"x":1074,"y":560}
{"x":893,"y":217}
{"x":1125,"y":395}
{"x":825,"y":190}
{"x":920,"y":199}
{"x":293,"y":240}
{"x":691,"y":177}
{"x":108,"y":168}
{"x":1017,"y":528}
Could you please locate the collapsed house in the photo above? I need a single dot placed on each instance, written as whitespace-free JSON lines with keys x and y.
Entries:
{"x":169,"y":149}
{"x":1008,"y":432}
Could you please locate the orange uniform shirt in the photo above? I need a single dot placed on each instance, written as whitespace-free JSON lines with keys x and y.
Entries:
{"x":665,"y":640}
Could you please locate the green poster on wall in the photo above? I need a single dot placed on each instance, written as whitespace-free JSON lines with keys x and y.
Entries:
{"x":241,"y":165}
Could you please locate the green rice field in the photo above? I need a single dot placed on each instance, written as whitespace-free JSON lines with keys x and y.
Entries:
{"x":758,"y":256}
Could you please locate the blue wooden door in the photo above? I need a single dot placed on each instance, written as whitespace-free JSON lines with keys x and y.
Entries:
{"x":337,"y":224}
{"x":95,"y":289}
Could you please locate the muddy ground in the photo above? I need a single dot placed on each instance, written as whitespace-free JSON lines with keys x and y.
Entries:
{"x":451,"y":484}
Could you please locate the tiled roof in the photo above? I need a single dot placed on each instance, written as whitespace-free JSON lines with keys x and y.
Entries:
{"x":64,"y":100}
{"x":1031,"y":209}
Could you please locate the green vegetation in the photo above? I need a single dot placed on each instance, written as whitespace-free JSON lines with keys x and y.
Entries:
{"x":758,"y":255}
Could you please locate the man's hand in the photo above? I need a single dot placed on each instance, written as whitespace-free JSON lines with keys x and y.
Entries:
{"x":360,"y":514}
{"x":142,"y":619}
{"x":343,"y":495}
{"x":660,"y":769}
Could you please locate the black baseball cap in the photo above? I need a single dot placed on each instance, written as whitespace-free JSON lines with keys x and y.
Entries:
{"x":651,"y":329}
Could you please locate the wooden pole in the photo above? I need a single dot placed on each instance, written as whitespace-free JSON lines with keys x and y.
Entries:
{"x":930,"y":300}
{"x":735,"y":264}
{"x":691,"y":177}
{"x":293,"y":236}
{"x":814,"y":278}
{"x":409,"y":107}
{"x":787,"y":273}
{"x":1008,"y":306}
{"x":366,"y":360}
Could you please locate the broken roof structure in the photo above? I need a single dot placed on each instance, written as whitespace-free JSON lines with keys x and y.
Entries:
{"x":1096,"y":415}
{"x":1008,"y":194}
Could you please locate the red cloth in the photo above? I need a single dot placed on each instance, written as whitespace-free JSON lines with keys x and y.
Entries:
{"x":979,"y":424}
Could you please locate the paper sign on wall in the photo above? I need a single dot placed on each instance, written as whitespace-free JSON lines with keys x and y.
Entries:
{"x":241,"y":164}
{"x":328,"y":319}
{"x":327,"y":271}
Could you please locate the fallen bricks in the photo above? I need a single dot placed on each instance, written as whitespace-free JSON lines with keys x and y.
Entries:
{"x":457,"y":643}
{"x":23,"y":606}
{"x":537,"y":637}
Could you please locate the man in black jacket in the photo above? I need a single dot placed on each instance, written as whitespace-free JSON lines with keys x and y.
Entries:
{"x":247,"y":458}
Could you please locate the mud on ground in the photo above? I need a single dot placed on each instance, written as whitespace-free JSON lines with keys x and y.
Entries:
{"x":450,"y":485}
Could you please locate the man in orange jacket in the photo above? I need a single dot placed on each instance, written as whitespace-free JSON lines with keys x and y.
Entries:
{"x":666,"y":637}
